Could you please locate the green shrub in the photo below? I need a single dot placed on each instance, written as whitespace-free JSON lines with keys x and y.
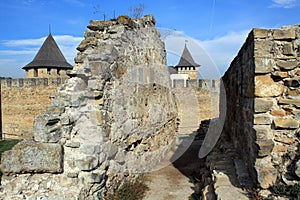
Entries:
{"x":292,"y":191}
{"x":130,"y":190}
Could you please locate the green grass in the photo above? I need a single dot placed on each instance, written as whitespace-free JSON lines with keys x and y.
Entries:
{"x":6,"y":145}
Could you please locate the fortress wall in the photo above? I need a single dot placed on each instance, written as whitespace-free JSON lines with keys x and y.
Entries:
{"x":21,"y":101}
{"x":262,"y":91}
{"x":204,"y":92}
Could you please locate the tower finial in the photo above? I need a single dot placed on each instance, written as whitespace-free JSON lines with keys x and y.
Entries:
{"x":185,"y":42}
{"x":49,"y":28}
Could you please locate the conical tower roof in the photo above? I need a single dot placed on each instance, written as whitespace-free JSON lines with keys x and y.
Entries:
{"x":186,"y":59}
{"x":49,"y":56}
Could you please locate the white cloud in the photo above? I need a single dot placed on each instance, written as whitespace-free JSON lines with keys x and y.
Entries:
{"x":283,"y":3}
{"x":23,"y":43}
{"x":213,"y":55}
{"x":223,"y":49}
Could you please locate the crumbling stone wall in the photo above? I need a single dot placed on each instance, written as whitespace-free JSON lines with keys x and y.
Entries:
{"x":114,"y":117}
{"x":21,"y":101}
{"x":262,"y":91}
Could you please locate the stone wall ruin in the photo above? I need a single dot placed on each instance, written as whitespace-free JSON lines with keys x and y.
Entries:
{"x":114,"y":117}
{"x":259,"y":145}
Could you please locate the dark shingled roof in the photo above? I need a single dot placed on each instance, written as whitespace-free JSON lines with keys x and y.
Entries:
{"x":50,"y":56}
{"x":186,"y":59}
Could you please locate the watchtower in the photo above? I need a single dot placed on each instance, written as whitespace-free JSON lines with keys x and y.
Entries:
{"x":187,"y":65}
{"x":49,"y":62}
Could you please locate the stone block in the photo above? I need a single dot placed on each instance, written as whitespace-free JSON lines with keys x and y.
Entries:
{"x":265,"y":147}
{"x":288,"y":49}
{"x":260,"y":33}
{"x":33,"y":157}
{"x":284,"y":140}
{"x":265,"y":86}
{"x":278,"y":113}
{"x":263,"y":132}
{"x":266,"y":173}
{"x":295,"y":102}
{"x":284,"y":34}
{"x":267,"y":176}
{"x":262,"y":104}
{"x":279,"y":74}
{"x":47,"y":129}
{"x":87,"y":163}
{"x":263,"y":48}
{"x":286,"y":123}
{"x":126,"y":20}
{"x":294,"y":92}
{"x":264,"y":65}
{"x":262,"y":119}
{"x":287,"y":65}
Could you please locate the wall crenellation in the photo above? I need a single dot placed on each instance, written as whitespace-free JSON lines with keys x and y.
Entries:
{"x":29,"y":82}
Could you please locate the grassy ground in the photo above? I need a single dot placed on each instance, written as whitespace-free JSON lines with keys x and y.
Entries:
{"x":6,"y":145}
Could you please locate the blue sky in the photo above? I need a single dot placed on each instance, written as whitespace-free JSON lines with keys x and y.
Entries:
{"x":217,"y":27}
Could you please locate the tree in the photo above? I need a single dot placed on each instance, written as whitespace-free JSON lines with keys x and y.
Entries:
{"x":137,"y":11}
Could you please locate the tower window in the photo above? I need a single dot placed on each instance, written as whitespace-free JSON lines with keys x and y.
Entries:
{"x":48,"y":71}
{"x":35,"y":72}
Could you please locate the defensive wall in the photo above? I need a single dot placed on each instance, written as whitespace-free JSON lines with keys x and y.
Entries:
{"x":21,"y":101}
{"x":201,"y":95}
{"x":259,"y":145}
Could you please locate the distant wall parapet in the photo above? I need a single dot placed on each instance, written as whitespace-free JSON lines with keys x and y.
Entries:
{"x":197,"y":84}
{"x":29,"y":82}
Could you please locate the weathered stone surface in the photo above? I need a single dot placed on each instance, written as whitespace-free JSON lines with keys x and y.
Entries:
{"x":295,"y":102}
{"x":47,"y":128}
{"x":263,"y":48}
{"x":288,"y":49}
{"x":284,"y":140}
{"x":287,"y":65}
{"x":262,"y":119}
{"x":263,"y":132}
{"x":284,"y":34}
{"x":286,"y":123}
{"x":260,"y":33}
{"x":280,"y":149}
{"x":264,"y":65}
{"x":117,"y":100}
{"x":263,"y":105}
{"x":125,"y":20}
{"x":281,"y":75}
{"x":262,"y":86}
{"x":265,"y":86}
{"x":266,"y":173}
{"x":31,"y":157}
{"x":265,"y":147}
{"x":278,"y":113}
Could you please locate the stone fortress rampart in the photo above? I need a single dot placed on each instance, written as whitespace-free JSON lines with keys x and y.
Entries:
{"x":259,"y":145}
{"x":21,"y":101}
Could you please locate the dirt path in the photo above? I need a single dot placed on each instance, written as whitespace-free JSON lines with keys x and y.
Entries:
{"x":172,"y":182}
